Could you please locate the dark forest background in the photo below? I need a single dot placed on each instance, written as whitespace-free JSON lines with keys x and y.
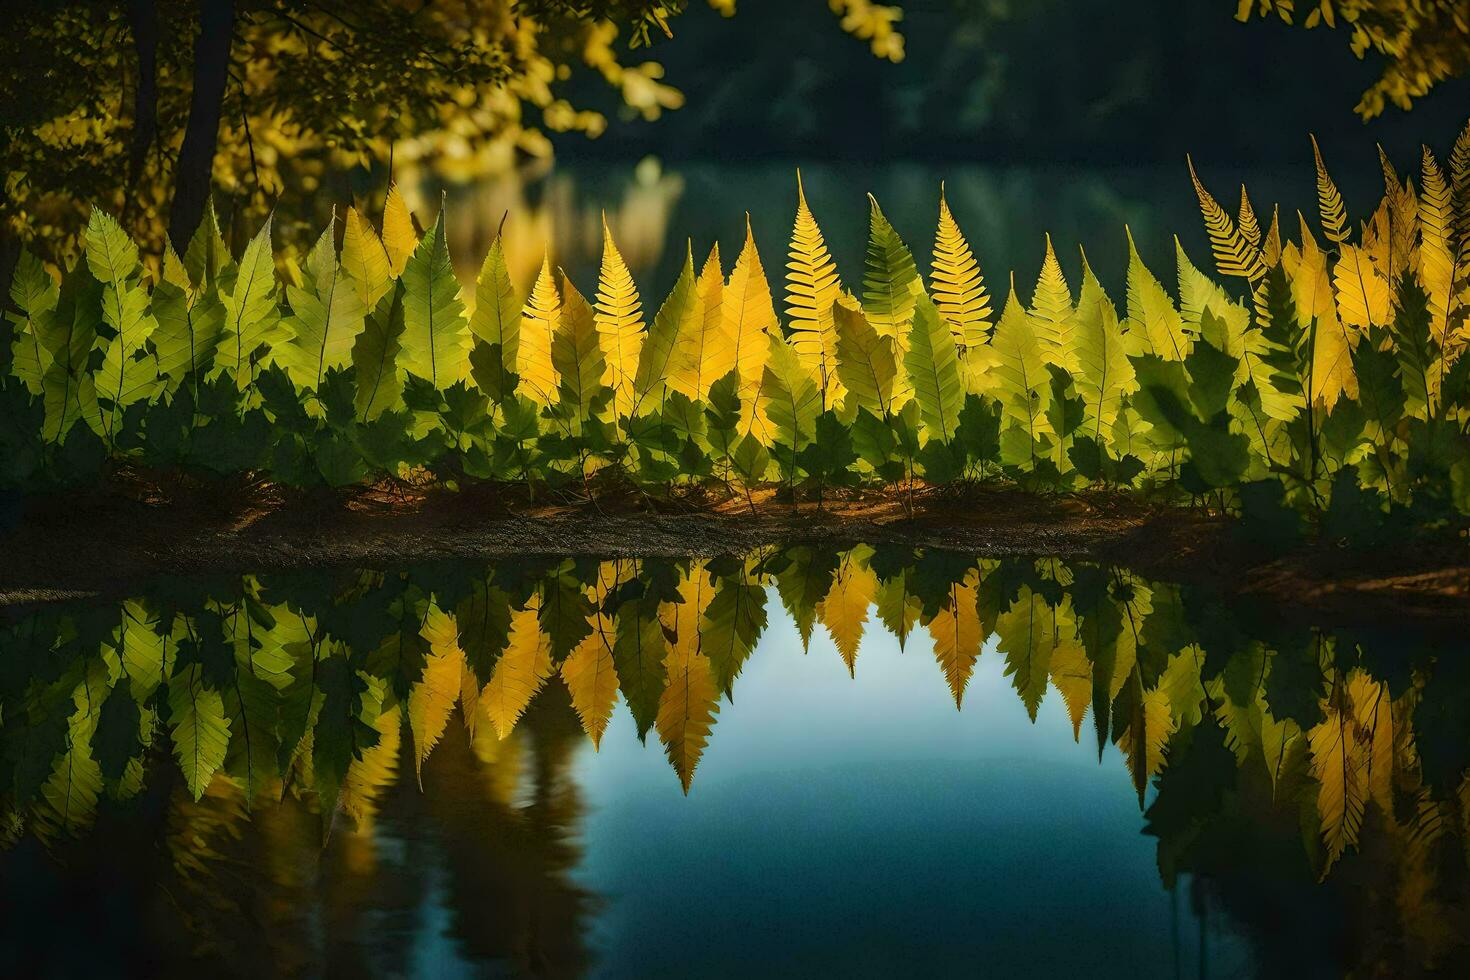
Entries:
{"x":1011,"y":81}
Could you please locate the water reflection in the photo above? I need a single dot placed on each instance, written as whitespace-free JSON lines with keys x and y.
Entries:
{"x":1005,"y":211}
{"x":376,"y":772}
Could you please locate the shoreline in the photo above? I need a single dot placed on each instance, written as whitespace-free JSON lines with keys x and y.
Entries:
{"x":73,"y":546}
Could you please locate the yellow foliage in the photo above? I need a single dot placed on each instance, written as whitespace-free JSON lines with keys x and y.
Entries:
{"x":812,"y":287}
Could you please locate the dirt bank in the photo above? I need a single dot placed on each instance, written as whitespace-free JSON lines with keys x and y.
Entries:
{"x":111,"y":543}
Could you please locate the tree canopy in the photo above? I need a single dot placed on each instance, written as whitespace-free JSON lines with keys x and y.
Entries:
{"x":143,"y":106}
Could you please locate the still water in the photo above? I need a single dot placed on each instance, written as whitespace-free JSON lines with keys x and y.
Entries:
{"x":796,"y":762}
{"x":657,"y":214}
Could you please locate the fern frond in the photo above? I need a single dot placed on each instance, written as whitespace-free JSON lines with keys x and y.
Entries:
{"x":1460,"y":188}
{"x":748,"y":311}
{"x":659,"y":353}
{"x":364,"y":258}
{"x":889,"y":278}
{"x":956,"y":283}
{"x":705,"y":353}
{"x":812,"y":287}
{"x":1052,"y":310}
{"x":1249,"y":226}
{"x":400,"y":236}
{"x":538,"y":327}
{"x":1436,"y":244}
{"x":1329,"y":201}
{"x":1234,"y":255}
{"x":1151,"y":311}
{"x":619,"y":323}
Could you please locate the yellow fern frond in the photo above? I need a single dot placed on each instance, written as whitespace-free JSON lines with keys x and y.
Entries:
{"x":400,"y":237}
{"x":1271,"y":248}
{"x":844,"y":610}
{"x":364,"y":258}
{"x":519,"y":673}
{"x":706,"y":353}
{"x":1234,"y":255}
{"x":620,"y":325}
{"x":1436,"y":244}
{"x":431,"y":700}
{"x":1052,"y":312}
{"x":592,"y":681}
{"x":958,"y":635}
{"x":374,"y":771}
{"x":538,"y":326}
{"x":748,"y":311}
{"x":1460,"y":189}
{"x":686,"y":711}
{"x":1329,"y":201}
{"x":1151,"y":312}
{"x":956,"y":283}
{"x":1363,"y":296}
{"x":812,"y":287}
{"x":1249,"y":226}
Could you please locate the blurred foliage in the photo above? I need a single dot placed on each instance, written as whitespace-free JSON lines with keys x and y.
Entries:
{"x":1423,"y":41}
{"x":317,"y":90}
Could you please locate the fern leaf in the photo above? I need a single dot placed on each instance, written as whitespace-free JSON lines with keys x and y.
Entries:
{"x":1151,"y":311}
{"x":1460,"y":188}
{"x":866,"y":361}
{"x":1053,"y":313}
{"x":686,"y":710}
{"x":812,"y":287}
{"x":200,"y":730}
{"x":957,"y":634}
{"x":844,"y":610}
{"x":1342,"y":792}
{"x":933,"y":369}
{"x":326,"y":316}
{"x":1250,"y":228}
{"x":1023,"y":383}
{"x":364,"y":259}
{"x":250,"y":308}
{"x":677,"y":316}
{"x":1329,"y":201}
{"x":705,"y":353}
{"x":1027,"y":634}
{"x":496,"y":319}
{"x":374,"y":771}
{"x":432,"y":698}
{"x":577,"y":355}
{"x":538,"y":327}
{"x":1363,"y":297}
{"x":592,"y":681}
{"x":435,"y":341}
{"x":519,"y":673}
{"x":1436,"y":245}
{"x":619,"y":323}
{"x":400,"y":238}
{"x":748,"y":311}
{"x":207,"y":255}
{"x":790,"y":396}
{"x":1104,"y":374}
{"x":375,"y":357}
{"x":890,"y":279}
{"x":111,"y":254}
{"x":956,"y":283}
{"x":1234,"y":255}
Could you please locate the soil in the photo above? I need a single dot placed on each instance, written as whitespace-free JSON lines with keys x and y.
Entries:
{"x":111,"y":540}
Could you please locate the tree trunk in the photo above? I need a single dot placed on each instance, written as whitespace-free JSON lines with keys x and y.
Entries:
{"x":143,"y":21}
{"x":192,"y":176}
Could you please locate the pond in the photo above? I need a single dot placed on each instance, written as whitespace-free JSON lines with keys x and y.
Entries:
{"x":795,"y":762}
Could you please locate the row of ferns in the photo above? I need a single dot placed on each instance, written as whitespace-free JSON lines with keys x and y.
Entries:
{"x":1327,"y":384}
